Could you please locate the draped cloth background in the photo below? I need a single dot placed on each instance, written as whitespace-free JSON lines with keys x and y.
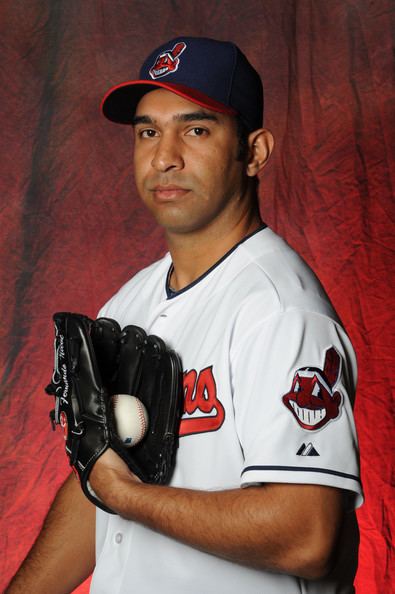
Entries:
{"x":73,"y":229}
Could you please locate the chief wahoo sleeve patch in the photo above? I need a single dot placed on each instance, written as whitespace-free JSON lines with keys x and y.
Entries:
{"x":312,"y":399}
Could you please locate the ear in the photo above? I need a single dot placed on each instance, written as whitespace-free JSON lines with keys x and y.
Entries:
{"x":260,"y":143}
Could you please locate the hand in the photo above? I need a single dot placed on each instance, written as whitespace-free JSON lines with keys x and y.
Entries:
{"x":107,"y":475}
{"x":110,"y":461}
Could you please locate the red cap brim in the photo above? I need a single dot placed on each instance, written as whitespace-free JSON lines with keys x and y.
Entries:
{"x":120,"y":102}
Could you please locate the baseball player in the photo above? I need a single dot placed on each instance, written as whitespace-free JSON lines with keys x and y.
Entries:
{"x":266,"y":476}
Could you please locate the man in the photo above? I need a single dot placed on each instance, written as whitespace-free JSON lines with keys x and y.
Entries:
{"x":267,"y":469}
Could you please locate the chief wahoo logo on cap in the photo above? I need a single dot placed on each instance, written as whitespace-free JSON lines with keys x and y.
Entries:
{"x":167,"y":61}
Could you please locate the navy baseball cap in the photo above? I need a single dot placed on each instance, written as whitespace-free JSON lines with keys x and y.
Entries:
{"x":213,"y":74}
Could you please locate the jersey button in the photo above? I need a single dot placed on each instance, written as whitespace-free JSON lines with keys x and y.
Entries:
{"x":118,"y":537}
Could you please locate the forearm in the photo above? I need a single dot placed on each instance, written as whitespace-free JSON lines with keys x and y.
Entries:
{"x":283,"y":528}
{"x":63,"y":555}
{"x":223,"y":523}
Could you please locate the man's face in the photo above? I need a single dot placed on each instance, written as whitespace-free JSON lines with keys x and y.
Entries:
{"x":186,"y":166}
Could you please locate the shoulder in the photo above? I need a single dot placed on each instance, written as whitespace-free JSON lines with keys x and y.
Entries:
{"x":277,"y":280}
{"x":284,"y":309}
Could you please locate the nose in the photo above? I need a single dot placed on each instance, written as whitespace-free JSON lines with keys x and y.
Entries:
{"x":167,"y":154}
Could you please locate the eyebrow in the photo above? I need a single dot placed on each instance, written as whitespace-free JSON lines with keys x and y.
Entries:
{"x":195,"y":116}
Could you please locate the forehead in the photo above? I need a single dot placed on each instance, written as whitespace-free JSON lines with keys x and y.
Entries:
{"x":162,"y":104}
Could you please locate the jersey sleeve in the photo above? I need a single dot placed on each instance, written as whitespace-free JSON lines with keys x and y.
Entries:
{"x":294,"y":378}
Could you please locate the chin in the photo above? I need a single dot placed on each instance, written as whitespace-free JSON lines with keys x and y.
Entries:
{"x":182,"y":224}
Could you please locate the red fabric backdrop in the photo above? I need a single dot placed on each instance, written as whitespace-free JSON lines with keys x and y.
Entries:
{"x":73,"y":230}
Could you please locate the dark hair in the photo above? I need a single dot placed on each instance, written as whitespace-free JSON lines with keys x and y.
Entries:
{"x":242,"y":135}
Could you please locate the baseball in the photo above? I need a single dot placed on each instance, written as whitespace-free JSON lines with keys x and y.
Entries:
{"x":131,"y":419}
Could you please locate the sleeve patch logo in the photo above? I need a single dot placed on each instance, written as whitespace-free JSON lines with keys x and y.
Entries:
{"x":312,"y":399}
{"x":167,"y":62}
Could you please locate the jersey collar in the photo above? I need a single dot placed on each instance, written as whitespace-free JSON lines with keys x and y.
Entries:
{"x":171,"y":293}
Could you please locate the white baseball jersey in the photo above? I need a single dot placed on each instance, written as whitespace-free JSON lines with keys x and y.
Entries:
{"x":268,"y":377}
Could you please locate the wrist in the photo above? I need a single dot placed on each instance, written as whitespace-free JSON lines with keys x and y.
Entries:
{"x":111,"y":480}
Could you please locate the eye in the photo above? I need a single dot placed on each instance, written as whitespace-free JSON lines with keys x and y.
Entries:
{"x":147,"y":133}
{"x":197,"y":131}
{"x":297,"y":386}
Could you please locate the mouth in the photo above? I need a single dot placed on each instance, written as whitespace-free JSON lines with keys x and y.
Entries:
{"x":168,"y":193}
{"x":308,"y":416}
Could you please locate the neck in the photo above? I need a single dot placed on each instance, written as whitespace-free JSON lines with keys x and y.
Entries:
{"x":194,"y":253}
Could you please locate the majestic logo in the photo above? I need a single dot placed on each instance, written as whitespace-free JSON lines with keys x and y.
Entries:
{"x":167,"y":62}
{"x":312,"y":398}
{"x":203,"y":412}
{"x":307,"y":450}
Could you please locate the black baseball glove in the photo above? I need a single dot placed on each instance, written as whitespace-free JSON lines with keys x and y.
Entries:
{"x":95,"y":359}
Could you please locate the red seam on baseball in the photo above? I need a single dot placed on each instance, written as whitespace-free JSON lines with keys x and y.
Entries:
{"x":142,"y":421}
